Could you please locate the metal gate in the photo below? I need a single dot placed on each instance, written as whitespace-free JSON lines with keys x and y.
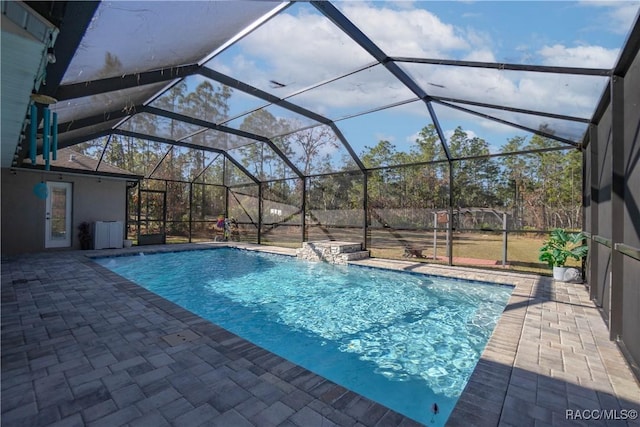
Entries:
{"x":152,"y":217}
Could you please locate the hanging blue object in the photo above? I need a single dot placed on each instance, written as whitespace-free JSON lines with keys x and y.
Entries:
{"x":45,"y":137}
{"x":54,"y":136}
{"x":32,"y":134}
{"x":40,"y":190}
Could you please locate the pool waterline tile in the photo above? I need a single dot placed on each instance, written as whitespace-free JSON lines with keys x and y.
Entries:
{"x":102,"y":294}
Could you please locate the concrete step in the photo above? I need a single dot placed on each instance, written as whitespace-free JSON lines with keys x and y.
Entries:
{"x":354,"y":256}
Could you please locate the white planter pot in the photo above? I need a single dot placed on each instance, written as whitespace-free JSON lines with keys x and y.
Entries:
{"x":127,"y":243}
{"x":558,"y":273}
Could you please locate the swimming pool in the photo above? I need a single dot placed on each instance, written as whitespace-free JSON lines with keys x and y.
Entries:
{"x":404,"y":340}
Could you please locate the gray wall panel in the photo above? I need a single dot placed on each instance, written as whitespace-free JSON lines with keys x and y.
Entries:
{"x":23,"y":213}
{"x":586,"y":187}
{"x":602,"y":195}
{"x":632,"y":155}
{"x":631,"y":267}
{"x":602,"y":281}
{"x":631,"y":308}
{"x":604,"y":175}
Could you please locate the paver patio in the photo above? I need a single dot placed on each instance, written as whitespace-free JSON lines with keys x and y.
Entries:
{"x":83,"y":346}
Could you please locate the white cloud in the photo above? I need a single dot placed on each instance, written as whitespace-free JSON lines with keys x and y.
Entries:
{"x":417,"y":33}
{"x":624,"y":15}
{"x":561,"y":94}
{"x":449,"y":133}
{"x":407,"y":5}
{"x":478,"y":40}
{"x":481,"y":55}
{"x":579,"y":56}
{"x":303,"y":49}
{"x":318,"y":52}
{"x":621,"y":14}
{"x":379,"y":136}
{"x":369,"y":89}
{"x":411,"y":139}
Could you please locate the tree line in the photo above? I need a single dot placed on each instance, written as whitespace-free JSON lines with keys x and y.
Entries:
{"x":539,"y":190}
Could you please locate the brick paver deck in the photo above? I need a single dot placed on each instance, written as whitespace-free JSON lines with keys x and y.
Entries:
{"x":549,"y":357}
{"x":83,"y":346}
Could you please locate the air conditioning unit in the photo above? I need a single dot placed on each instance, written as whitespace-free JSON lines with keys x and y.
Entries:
{"x":108,"y":234}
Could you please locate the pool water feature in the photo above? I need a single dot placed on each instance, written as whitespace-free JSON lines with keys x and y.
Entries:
{"x":405,"y":340}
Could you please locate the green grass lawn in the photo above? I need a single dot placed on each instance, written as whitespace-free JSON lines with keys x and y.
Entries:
{"x":522,"y":249}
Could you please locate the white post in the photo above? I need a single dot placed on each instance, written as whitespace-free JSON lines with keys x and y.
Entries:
{"x":504,"y":239}
{"x":448,"y":232}
{"x":435,"y":235}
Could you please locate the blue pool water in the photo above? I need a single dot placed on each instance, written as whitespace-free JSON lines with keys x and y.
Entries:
{"x":404,"y":340}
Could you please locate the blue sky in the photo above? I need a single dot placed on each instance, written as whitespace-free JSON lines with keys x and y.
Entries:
{"x":301,"y":48}
{"x":518,"y":26}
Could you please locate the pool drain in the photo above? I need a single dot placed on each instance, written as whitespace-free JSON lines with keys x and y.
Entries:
{"x":180,"y":337}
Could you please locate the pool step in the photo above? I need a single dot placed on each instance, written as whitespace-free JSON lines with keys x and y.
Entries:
{"x":354,"y":256}
{"x":332,"y":251}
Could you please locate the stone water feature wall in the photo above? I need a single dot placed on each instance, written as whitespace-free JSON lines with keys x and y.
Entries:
{"x":331,"y":251}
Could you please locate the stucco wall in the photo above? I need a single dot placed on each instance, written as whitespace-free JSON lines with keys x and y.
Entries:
{"x":23,"y":214}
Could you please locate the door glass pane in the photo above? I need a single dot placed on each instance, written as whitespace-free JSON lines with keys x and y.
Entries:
{"x":59,"y":214}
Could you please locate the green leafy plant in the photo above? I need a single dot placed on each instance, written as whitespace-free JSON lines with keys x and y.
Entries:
{"x":562,"y":245}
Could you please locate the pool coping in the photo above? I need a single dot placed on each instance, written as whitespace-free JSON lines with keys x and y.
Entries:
{"x":483,"y":397}
{"x":549,"y":353}
{"x":84,"y":346}
{"x":548,"y":359}
{"x":517,"y":356}
{"x":322,"y":389}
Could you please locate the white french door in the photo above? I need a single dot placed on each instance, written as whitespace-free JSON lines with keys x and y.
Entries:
{"x":58,"y":215}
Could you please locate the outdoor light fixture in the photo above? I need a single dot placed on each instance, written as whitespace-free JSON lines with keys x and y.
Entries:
{"x":51,"y":56}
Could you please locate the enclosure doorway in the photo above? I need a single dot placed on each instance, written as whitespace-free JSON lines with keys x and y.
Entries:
{"x":58,"y":215}
{"x":152,"y":217}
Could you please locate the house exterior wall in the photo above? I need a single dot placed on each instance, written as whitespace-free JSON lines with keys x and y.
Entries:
{"x":23,"y":224}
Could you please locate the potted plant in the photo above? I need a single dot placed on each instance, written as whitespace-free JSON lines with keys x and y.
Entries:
{"x":560,"y":246}
{"x":84,"y":235}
